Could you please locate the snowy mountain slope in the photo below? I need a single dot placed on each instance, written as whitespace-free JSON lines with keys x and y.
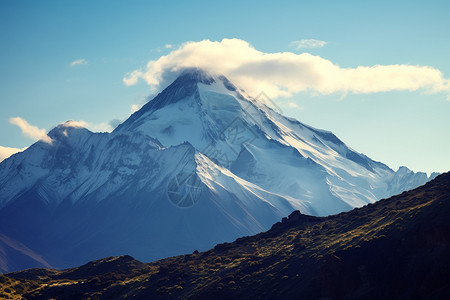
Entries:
{"x":200,"y":164}
{"x":221,"y":121}
{"x":107,"y":194}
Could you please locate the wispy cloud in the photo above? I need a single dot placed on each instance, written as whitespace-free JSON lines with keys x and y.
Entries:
{"x":114,"y":123}
{"x":135,"y":107}
{"x":286,"y":73}
{"x":132,"y":77}
{"x":6,"y":152}
{"x":307,"y":44}
{"x":76,"y":124}
{"x":294,"y":105}
{"x":101,"y":127}
{"x":31,"y":131}
{"x":95,"y":127}
{"x":168,"y":46}
{"x":79,"y":62}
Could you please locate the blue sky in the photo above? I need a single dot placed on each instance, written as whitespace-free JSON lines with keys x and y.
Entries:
{"x":41,"y":39}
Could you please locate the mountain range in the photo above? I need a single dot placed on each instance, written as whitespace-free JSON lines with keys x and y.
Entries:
{"x":201,"y":163}
{"x":396,"y":248}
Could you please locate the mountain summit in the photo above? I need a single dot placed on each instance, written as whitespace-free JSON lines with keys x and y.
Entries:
{"x":201,"y":163}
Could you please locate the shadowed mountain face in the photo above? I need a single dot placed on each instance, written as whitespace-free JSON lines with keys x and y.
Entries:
{"x":200,"y":164}
{"x":14,"y":251}
{"x":398,"y":248}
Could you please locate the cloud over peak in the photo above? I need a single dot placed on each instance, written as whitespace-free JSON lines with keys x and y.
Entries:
{"x":76,"y":124}
{"x":97,"y":127}
{"x":285,"y":73}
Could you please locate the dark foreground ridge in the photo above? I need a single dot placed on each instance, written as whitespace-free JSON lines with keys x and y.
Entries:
{"x":397,"y":248}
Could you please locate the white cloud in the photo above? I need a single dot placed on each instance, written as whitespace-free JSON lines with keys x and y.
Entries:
{"x":168,"y":46}
{"x":6,"y":152}
{"x":135,"y":107}
{"x":132,"y":78}
{"x":79,"y":62}
{"x":294,"y":105}
{"x":286,"y":73}
{"x":31,"y":131}
{"x":99,"y":127}
{"x":307,"y":44}
{"x":77,"y":124}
